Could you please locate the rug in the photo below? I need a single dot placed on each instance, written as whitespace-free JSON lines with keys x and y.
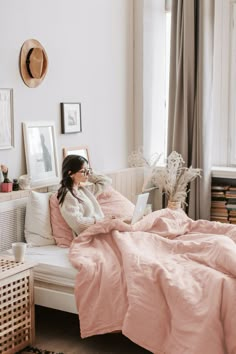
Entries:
{"x":29,"y":350}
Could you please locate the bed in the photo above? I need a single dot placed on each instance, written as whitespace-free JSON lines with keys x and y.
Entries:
{"x":168,"y":282}
{"x":51,"y":290}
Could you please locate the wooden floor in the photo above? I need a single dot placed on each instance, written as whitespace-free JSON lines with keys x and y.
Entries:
{"x":59,"y":332}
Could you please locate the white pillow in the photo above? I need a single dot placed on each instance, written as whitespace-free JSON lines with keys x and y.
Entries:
{"x":38,"y":230}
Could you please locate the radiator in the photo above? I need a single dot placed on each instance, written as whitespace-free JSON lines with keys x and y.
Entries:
{"x":128,"y":181}
{"x":12,"y":221}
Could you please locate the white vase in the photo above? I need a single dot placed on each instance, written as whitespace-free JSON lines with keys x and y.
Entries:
{"x":173,"y":205}
{"x":24,"y":182}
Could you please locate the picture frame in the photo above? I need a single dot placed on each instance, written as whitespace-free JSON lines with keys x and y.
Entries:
{"x":71,"y":121}
{"x":41,"y":153}
{"x":77,"y":150}
{"x":6,"y":119}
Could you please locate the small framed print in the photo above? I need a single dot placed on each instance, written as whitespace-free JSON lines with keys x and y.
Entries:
{"x":6,"y":119}
{"x":71,"y":118}
{"x":77,"y":150}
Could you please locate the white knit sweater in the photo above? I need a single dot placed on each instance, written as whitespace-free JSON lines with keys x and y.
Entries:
{"x":81,"y":214}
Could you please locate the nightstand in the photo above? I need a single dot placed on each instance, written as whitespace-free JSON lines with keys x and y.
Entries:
{"x":17,"y":327}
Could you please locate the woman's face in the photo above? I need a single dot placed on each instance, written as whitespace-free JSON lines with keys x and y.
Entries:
{"x":80,"y":176}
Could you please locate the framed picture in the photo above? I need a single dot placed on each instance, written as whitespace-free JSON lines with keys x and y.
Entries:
{"x":71,"y":118}
{"x":77,"y":150}
{"x":41,"y":153}
{"x":6,"y":119}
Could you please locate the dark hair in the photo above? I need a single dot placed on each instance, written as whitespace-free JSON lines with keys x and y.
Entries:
{"x":70,"y":165}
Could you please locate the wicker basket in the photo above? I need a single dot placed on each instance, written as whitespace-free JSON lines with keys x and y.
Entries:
{"x":16,"y":306}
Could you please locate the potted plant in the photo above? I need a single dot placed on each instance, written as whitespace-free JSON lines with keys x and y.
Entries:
{"x":6,"y":185}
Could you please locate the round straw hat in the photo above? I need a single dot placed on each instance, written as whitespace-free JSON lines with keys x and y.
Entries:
{"x":33,"y":63}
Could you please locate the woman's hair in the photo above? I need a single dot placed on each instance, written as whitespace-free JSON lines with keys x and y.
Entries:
{"x":70,"y":165}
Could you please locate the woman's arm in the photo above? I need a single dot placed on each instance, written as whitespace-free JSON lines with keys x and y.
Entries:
{"x":71,"y":211}
{"x":99,"y":183}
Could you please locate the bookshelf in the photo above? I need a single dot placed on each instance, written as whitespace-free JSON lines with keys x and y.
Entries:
{"x":223,"y":195}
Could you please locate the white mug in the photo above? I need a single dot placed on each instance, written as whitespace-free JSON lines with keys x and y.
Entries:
{"x":18,"y":250}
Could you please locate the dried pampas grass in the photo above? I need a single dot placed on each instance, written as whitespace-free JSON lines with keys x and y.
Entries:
{"x":137,"y":159}
{"x":173,"y":180}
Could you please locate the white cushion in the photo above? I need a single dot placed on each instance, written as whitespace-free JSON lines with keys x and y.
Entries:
{"x":38,"y":230}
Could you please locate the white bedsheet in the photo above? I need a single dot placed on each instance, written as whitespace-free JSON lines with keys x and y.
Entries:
{"x":53,"y":266}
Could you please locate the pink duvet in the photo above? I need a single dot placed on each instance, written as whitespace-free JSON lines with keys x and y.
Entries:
{"x":168,"y":283}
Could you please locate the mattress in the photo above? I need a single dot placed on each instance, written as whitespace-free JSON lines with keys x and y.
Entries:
{"x":53,"y":265}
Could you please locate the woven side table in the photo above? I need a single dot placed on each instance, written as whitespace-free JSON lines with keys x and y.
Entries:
{"x":17,"y":327}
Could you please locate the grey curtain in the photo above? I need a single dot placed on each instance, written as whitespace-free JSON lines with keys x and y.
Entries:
{"x":190,"y":94}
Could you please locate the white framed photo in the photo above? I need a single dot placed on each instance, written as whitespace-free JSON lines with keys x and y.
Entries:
{"x":71,"y":118}
{"x":6,"y":119}
{"x":41,"y":153}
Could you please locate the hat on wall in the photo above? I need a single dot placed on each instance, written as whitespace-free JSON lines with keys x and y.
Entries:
{"x":33,"y":63}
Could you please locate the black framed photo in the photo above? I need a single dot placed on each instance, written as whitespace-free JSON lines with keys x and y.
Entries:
{"x":71,"y":118}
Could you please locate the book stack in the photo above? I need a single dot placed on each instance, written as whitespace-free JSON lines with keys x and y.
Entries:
{"x":231,"y":204}
{"x":219,"y":212}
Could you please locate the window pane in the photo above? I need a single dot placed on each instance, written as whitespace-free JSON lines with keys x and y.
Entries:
{"x":156,"y":39}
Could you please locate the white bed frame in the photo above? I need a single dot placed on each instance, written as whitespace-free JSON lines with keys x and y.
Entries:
{"x":12,"y":217}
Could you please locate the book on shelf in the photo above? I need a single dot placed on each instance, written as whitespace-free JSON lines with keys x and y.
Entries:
{"x":219,"y":211}
{"x":231,"y":206}
{"x":218,"y":203}
{"x":230,"y":194}
{"x":220,"y":219}
{"x":217,"y":193}
{"x":219,"y":187}
{"x":215,"y":199}
{"x":231,"y":200}
{"x":215,"y":188}
{"x":231,"y":188}
{"x":232,"y":212}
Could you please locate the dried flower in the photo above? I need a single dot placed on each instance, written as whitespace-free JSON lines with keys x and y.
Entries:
{"x":137,"y":159}
{"x":174,"y":178}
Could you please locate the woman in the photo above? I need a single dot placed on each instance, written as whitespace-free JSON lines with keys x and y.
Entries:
{"x":77,"y":201}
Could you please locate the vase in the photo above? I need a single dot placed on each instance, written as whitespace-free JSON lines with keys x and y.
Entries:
{"x":6,"y":187}
{"x":24,"y":182}
{"x":173,"y":205}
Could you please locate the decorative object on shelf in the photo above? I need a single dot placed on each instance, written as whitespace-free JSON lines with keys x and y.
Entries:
{"x":15,"y":185}
{"x":33,"y":63}
{"x":71,"y":118}
{"x":6,"y":119}
{"x":41,"y":153}
{"x":6,"y":185}
{"x":173,"y":180}
{"x":24,"y":182}
{"x":77,"y":150}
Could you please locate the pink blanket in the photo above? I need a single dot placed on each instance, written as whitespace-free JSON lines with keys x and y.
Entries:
{"x":168,"y":283}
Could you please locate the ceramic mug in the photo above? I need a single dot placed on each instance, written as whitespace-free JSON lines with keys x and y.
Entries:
{"x":18,"y":250}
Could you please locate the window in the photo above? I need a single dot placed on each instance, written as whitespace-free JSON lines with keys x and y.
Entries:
{"x":156,"y":58}
{"x":224,"y":76}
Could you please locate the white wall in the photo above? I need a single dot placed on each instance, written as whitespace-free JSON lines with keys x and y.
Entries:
{"x":89,"y":44}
